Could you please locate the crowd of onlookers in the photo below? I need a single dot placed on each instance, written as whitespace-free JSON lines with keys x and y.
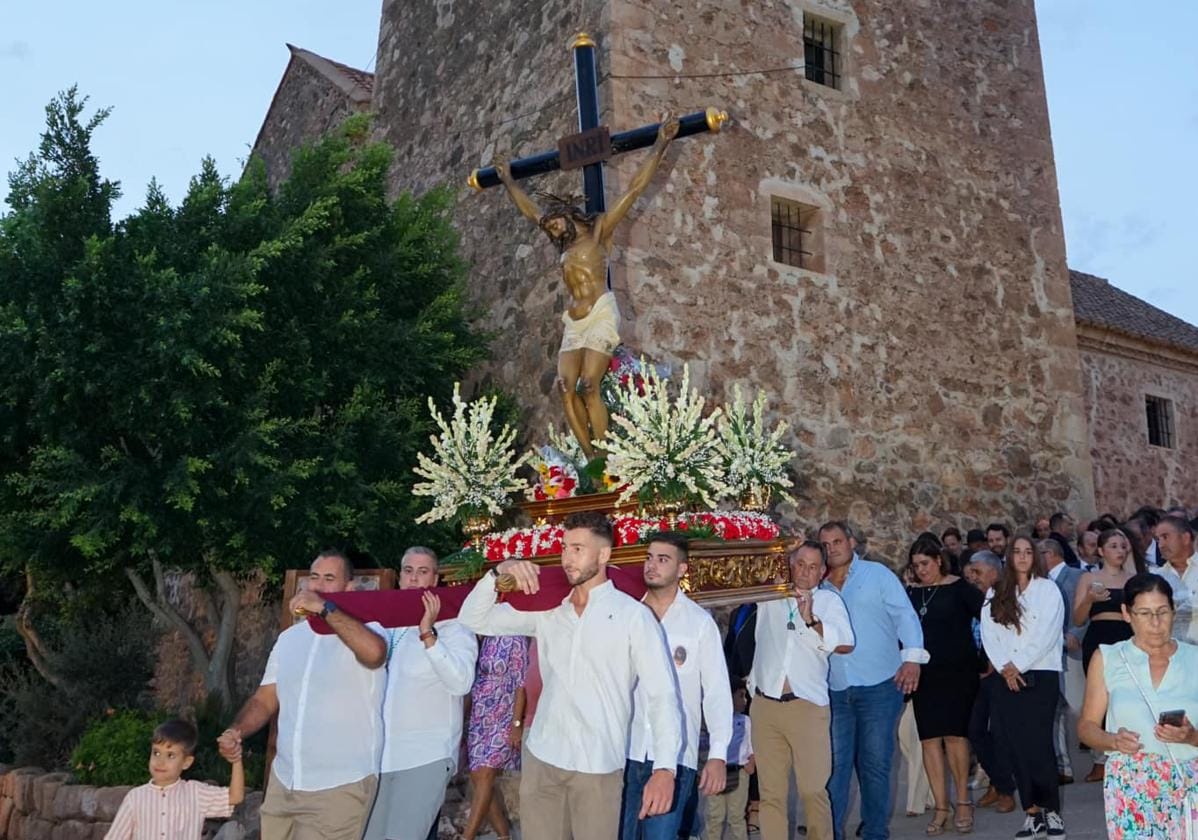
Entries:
{"x":629,"y":718}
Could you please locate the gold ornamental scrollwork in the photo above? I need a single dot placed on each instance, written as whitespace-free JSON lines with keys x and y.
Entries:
{"x":737,"y":571}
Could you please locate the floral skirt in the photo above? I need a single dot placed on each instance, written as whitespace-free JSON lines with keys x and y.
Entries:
{"x":1145,"y":796}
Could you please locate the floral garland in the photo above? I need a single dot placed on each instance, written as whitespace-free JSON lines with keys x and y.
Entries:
{"x":474,"y":471}
{"x":542,"y":540}
{"x":754,"y":460}
{"x":663,"y":447}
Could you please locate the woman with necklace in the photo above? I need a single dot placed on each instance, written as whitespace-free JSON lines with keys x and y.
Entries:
{"x":1023,"y":625}
{"x":1146,"y":688}
{"x":1099,"y":601}
{"x":946,"y":606}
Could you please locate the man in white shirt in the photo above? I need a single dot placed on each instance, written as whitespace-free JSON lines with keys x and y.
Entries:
{"x":592,"y":649}
{"x":693,"y":642}
{"x":328,"y":693}
{"x":1175,"y":539}
{"x":790,"y":712}
{"x":430,"y":669}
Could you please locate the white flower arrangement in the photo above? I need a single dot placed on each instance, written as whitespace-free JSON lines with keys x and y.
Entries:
{"x":754,"y":459}
{"x":664,"y":448}
{"x":473,"y":471}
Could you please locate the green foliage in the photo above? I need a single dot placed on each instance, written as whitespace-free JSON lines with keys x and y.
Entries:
{"x":115,"y":749}
{"x":226,"y":384}
{"x":106,"y":661}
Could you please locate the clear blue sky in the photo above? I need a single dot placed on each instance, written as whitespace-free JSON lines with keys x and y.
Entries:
{"x":189,"y":79}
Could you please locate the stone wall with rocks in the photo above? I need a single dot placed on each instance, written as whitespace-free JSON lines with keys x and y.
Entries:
{"x":929,"y":368}
{"x":36,"y":805}
{"x":1118,"y":373}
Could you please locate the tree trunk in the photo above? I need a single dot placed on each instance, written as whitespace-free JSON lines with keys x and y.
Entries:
{"x":35,"y":648}
{"x":214,"y":664}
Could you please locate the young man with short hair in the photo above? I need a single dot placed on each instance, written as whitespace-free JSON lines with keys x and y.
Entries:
{"x":693,"y":642}
{"x":592,"y":649}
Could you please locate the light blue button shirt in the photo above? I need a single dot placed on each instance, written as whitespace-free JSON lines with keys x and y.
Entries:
{"x":1127,"y":708}
{"x":882,"y":618}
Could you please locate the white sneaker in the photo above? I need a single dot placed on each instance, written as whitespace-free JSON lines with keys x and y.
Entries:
{"x":1056,"y":825}
{"x":1033,"y":826}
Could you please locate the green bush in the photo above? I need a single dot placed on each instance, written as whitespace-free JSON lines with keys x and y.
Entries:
{"x":115,"y":749}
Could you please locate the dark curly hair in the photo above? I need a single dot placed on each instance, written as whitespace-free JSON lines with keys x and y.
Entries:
{"x":593,"y":521}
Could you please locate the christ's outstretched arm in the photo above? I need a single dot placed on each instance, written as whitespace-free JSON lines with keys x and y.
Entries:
{"x":520,"y":198}
{"x":665,"y":133}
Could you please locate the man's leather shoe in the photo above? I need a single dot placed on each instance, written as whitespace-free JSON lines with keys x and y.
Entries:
{"x":1096,"y":773}
{"x":1005,"y":804}
{"x":1064,"y":779}
{"x":990,"y":797}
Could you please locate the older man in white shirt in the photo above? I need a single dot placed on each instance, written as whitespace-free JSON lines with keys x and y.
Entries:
{"x":328,"y":693}
{"x":430,"y":668}
{"x":1175,"y":540}
{"x":592,"y":649}
{"x":791,"y":713}
{"x":693,"y":641}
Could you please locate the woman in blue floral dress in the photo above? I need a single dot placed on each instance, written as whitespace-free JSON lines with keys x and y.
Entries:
{"x":496,"y":727}
{"x":1153,"y":766}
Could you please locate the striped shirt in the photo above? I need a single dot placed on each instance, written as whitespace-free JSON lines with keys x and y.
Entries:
{"x":174,"y":812}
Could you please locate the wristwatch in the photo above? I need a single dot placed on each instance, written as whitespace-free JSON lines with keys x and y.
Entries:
{"x":328,"y":609}
{"x":431,"y":634}
{"x":812,"y":622}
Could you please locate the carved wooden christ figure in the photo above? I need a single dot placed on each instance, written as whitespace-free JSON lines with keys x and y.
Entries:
{"x":592,"y":323}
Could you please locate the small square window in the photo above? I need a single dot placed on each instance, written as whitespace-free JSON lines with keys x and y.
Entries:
{"x":1160,"y":421}
{"x":821,"y":52}
{"x":797,"y":234}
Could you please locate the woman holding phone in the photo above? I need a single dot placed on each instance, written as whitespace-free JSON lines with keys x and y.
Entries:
{"x":1023,"y":625}
{"x":1146,"y":689}
{"x":1099,"y":601}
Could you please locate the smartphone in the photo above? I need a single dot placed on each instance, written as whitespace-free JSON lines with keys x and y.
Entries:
{"x":1174,"y":718}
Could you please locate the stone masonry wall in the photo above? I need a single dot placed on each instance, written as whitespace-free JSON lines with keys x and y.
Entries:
{"x":930,"y":371}
{"x":36,"y":805}
{"x":1128,"y":472}
{"x":306,"y":106}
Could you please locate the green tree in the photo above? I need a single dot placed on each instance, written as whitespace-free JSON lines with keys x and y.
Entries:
{"x":222,"y":386}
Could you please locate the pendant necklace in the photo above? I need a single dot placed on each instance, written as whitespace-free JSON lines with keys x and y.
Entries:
{"x":924,"y":601}
{"x":790,"y":619}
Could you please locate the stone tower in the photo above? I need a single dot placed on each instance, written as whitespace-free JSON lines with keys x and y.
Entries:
{"x":876,"y":239}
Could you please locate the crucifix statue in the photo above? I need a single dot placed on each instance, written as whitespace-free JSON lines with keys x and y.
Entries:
{"x":583,"y":236}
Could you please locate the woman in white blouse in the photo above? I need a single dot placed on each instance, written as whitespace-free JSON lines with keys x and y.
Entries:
{"x":1023,"y":634}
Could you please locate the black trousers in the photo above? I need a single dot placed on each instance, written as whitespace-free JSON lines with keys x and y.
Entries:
{"x":1025,"y":719}
{"x":991,"y":750}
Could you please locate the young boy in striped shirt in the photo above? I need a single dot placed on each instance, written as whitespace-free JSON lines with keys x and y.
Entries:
{"x":170,"y":807}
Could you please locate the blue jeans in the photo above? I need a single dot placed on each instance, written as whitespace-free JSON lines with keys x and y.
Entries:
{"x":664,"y":826}
{"x":864,"y":722}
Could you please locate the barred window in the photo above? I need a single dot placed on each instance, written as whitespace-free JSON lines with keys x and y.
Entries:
{"x":821,"y":51}
{"x":797,"y":234}
{"x":1160,"y":421}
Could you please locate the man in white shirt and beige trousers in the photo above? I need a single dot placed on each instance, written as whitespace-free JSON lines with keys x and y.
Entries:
{"x":328,"y":693}
{"x":593,"y":649}
{"x":791,"y":711}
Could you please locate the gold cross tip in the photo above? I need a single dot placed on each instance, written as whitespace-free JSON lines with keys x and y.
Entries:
{"x":472,"y":180}
{"x":582,"y":39}
{"x":716,"y":119}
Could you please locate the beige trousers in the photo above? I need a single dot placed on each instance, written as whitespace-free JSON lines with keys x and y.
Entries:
{"x":785,"y":735}
{"x":919,"y":790}
{"x":728,"y":808}
{"x":558,"y":804}
{"x":335,"y":814}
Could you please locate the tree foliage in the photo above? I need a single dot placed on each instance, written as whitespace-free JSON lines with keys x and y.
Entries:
{"x":225,"y":385}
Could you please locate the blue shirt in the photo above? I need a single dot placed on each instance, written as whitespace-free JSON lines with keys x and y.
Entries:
{"x":882,"y":618}
{"x":1127,"y":707}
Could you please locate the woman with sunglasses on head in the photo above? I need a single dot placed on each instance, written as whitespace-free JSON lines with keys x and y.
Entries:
{"x":1147,"y":689}
{"x":1023,"y":625}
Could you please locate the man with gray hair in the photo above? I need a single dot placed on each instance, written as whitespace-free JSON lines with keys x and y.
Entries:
{"x":982,"y":571}
{"x":1066,"y":578}
{"x":430,"y":669}
{"x":1175,"y":542}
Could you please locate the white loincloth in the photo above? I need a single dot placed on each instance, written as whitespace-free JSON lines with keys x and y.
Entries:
{"x":598,"y":330}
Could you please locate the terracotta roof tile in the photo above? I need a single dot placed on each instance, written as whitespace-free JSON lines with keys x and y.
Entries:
{"x":1097,"y":302}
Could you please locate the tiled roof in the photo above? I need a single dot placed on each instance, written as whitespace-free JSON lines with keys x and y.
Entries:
{"x":1097,"y":302}
{"x":358,"y":84}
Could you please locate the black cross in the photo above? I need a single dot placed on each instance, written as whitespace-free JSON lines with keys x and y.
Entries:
{"x":586,"y":88}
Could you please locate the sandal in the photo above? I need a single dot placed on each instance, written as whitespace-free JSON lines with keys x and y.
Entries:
{"x":938,"y":824}
{"x":964,"y":825}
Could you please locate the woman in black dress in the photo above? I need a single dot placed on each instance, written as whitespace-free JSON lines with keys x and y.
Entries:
{"x":946,"y":606}
{"x":1099,"y":601}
